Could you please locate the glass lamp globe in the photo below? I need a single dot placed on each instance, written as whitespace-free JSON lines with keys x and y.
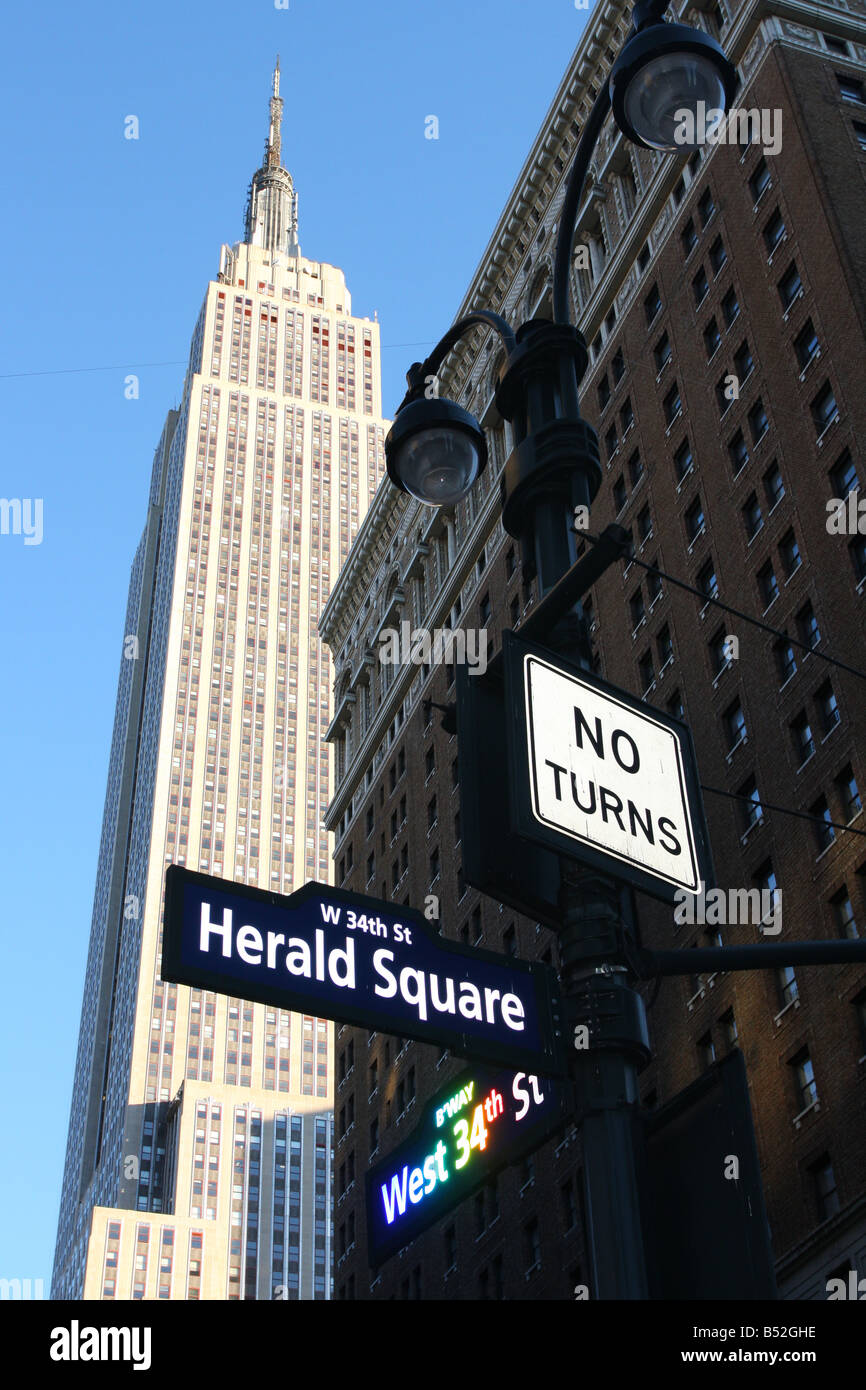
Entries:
{"x":666,"y":72}
{"x":435,"y":451}
{"x":661,"y":89}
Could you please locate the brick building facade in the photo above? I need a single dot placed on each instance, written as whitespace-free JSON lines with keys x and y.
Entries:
{"x":739,"y":264}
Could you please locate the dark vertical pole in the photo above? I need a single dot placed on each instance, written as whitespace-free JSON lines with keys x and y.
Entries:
{"x":595,"y":982}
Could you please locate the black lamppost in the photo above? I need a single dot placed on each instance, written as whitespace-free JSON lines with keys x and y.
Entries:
{"x":436,"y":451}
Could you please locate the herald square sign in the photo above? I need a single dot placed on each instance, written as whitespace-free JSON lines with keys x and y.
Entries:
{"x":363,"y":961}
{"x":602,"y":777}
{"x":480,"y":1121}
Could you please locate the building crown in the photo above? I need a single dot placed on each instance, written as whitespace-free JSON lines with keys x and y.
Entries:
{"x":271,"y":219}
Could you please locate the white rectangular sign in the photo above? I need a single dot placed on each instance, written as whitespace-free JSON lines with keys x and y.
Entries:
{"x":607,"y":775}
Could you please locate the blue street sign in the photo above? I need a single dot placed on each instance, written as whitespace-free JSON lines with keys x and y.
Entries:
{"x":480,"y":1122}
{"x":363,"y":961}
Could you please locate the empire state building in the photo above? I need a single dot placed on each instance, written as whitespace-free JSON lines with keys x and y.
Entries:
{"x":199,"y":1155}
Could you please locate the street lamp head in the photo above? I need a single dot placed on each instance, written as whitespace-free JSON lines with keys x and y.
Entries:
{"x":435,"y":450}
{"x":665,"y":76}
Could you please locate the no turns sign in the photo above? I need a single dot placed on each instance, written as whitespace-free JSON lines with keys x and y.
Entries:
{"x":601,"y":776}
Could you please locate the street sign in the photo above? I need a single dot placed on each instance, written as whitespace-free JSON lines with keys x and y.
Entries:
{"x":363,"y":961}
{"x":478,"y":1123}
{"x":497,"y":862}
{"x":601,"y":776}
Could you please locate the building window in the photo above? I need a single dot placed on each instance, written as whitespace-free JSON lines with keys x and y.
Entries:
{"x":790,"y":553}
{"x":801,"y":735}
{"x":729,"y":1028}
{"x":683,"y":461}
{"x":807,"y":626}
{"x":694,"y":519}
{"x":635,"y":468}
{"x":828,"y":709}
{"x":758,"y":422}
{"x":824,"y":1186}
{"x":790,"y":286}
{"x":700,"y":286}
{"x":617,"y":366}
{"x":735,"y":725}
{"x":849,"y":794}
{"x":774,"y":488}
{"x":760,"y":180}
{"x":850,"y":89}
{"x":712,"y":338}
{"x":718,"y":653}
{"x":706,"y":1051}
{"x":768,"y":585}
{"x":730,"y":307}
{"x":743,"y":362}
{"x":707,"y":581}
{"x":824,"y":408}
{"x":836,"y":45}
{"x":738,"y":452}
{"x":860,"y":132}
{"x":647,"y":674}
{"x":706,"y":206}
{"x":672,"y":404}
{"x":843,"y":915}
{"x":857,"y":551}
{"x":753,"y":811}
{"x":603,"y":392}
{"x":662,"y":352}
{"x":786,"y":982}
{"x":806,"y":344}
{"x":843,"y":475}
{"x":620,"y":495}
{"x":804,"y":1079}
{"x":689,"y":237}
{"x":774,"y":231}
{"x":825,"y":833}
{"x":786,"y":663}
{"x":652,"y":304}
{"x":718,"y":255}
{"x":752,"y":517}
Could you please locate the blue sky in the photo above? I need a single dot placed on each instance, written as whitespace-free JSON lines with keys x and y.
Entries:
{"x":109,"y":245}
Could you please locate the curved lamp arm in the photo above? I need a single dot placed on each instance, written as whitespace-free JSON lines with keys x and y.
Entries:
{"x":572,"y":201}
{"x":419,"y":371}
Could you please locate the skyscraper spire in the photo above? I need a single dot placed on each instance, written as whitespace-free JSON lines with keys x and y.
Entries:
{"x":272,"y":205}
{"x":272,"y":157}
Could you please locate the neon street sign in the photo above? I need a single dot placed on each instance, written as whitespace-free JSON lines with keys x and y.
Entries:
{"x":359,"y":960}
{"x":601,"y":776}
{"x":483,"y":1120}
